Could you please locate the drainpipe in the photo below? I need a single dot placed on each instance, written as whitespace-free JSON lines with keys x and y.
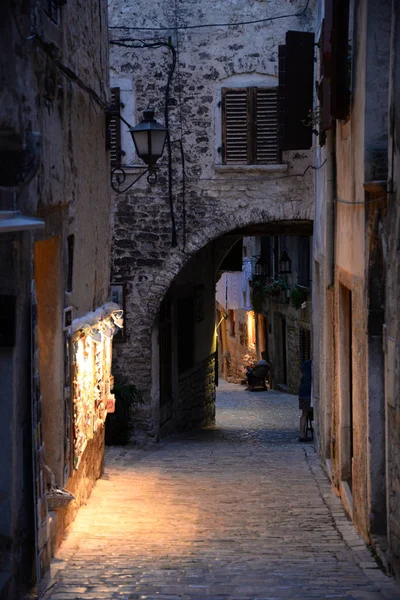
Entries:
{"x":392,"y":96}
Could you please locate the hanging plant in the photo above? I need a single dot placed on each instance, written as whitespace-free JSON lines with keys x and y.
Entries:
{"x":261,"y":289}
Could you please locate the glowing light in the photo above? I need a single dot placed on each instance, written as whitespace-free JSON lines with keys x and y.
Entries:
{"x":91,"y":339}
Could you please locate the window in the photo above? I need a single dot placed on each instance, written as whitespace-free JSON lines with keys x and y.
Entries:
{"x":303,"y":266}
{"x":114,"y":129}
{"x":263,"y":266}
{"x":243,"y":334}
{"x":304,"y":345}
{"x":250,"y":126}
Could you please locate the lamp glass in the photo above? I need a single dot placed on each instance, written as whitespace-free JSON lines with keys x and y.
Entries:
{"x":149,"y":138}
{"x":141,"y":141}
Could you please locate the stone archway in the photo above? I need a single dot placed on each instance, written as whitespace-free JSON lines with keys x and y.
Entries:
{"x":137,"y":359}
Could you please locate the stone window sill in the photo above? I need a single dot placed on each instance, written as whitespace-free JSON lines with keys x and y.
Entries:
{"x":249,"y":169}
{"x":133,"y":169}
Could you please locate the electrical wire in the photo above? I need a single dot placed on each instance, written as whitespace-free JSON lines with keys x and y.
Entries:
{"x":140,"y":44}
{"x":250,"y":178}
{"x":69,"y":74}
{"x":203,"y":25}
{"x":363,"y":202}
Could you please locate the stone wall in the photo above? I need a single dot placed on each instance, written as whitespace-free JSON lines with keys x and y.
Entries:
{"x":80,"y":484}
{"x":218,"y":199}
{"x":64,"y":181}
{"x":235,"y":351}
{"x":197,"y":394}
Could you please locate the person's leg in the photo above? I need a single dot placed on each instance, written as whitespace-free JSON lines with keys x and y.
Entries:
{"x":303,"y":425}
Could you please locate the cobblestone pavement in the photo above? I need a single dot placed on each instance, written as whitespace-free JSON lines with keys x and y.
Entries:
{"x":241,"y":511}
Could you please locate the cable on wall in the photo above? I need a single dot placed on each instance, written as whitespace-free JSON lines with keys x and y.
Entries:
{"x":203,"y":25}
{"x":140,"y":44}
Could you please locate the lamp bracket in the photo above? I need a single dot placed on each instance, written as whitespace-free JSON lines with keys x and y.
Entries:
{"x":118,"y":177}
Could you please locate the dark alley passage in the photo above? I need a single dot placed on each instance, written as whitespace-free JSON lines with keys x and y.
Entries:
{"x":240,"y":511}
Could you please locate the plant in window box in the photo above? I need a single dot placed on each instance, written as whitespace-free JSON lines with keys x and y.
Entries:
{"x":275,"y":287}
{"x":298,"y":296}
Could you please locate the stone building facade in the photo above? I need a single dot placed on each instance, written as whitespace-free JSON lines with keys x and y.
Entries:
{"x":356,"y":268}
{"x":55,"y":259}
{"x":287,"y":313}
{"x":157,"y":60}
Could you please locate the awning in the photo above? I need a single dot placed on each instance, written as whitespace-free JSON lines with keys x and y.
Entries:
{"x":13,"y":221}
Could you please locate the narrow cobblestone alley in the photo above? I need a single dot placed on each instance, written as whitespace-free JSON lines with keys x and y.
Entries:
{"x":240,"y":511}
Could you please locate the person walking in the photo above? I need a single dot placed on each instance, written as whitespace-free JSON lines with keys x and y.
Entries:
{"x":305,"y":398}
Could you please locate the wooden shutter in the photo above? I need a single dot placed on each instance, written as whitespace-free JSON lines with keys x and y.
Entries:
{"x":250,"y":126}
{"x":236,"y":125}
{"x":266,"y":126}
{"x":304,"y":345}
{"x":340,"y":77}
{"x":296,"y":88}
{"x":114,"y":128}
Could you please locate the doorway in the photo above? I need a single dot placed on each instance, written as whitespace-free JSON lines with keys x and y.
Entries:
{"x":165,"y":351}
{"x":346,"y":386}
{"x":280,"y":363}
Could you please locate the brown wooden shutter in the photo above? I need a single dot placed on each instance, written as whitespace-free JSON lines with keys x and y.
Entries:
{"x":114,"y":127}
{"x":296,"y":88}
{"x":340,"y":76}
{"x":266,"y":126}
{"x":282,"y":112}
{"x":304,"y":345}
{"x":325,"y":72}
{"x":236,"y":126}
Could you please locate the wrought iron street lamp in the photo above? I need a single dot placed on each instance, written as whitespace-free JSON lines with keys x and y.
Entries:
{"x":149,"y":138}
{"x":285,"y":264}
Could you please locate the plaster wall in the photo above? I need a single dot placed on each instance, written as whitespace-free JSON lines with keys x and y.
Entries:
{"x":392,"y":347}
{"x":16,"y":514}
{"x":358,"y":225}
{"x":218,"y":198}
{"x":236,"y":354}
